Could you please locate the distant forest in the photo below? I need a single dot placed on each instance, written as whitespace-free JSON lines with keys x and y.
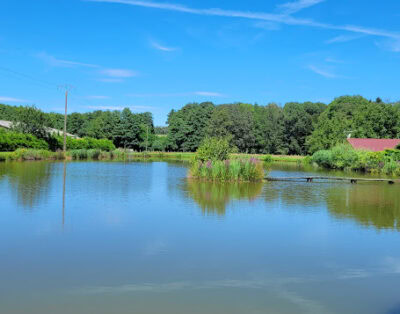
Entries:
{"x":293,"y":129}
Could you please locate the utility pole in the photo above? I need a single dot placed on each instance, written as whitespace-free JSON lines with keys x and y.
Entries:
{"x":147,"y":136}
{"x":65,"y":121}
{"x":67,"y":88}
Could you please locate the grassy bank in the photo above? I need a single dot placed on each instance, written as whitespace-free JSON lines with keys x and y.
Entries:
{"x":96,"y":154}
{"x":31,"y":154}
{"x":273,"y":158}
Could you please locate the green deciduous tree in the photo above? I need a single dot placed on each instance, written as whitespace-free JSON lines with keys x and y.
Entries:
{"x":269,"y":129}
{"x":30,"y":120}
{"x":299,"y":122}
{"x":357,"y":116}
{"x":187,"y":126}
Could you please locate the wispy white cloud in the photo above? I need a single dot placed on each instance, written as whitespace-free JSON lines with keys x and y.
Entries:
{"x":110,"y":75}
{"x":266,"y":25}
{"x":342,"y":39}
{"x":333,"y":60}
{"x":283,"y":18}
{"x":390,"y":45}
{"x":209,"y":94}
{"x":11,"y":99}
{"x":322,"y":72}
{"x":110,"y":80}
{"x":295,"y":6}
{"x":118,"y":73}
{"x":158,"y":46}
{"x":55,"y":62}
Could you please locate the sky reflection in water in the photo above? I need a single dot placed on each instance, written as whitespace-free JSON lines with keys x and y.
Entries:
{"x":140,"y":237}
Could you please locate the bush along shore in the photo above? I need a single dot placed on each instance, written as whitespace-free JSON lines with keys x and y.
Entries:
{"x":344,"y":157}
{"x":12,"y":140}
{"x":212,"y":162}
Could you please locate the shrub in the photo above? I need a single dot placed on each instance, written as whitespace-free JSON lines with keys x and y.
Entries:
{"x":214,"y":149}
{"x":85,"y":143}
{"x":11,"y":141}
{"x":344,"y":157}
{"x":323,"y":158}
{"x":370,"y":161}
{"x":391,"y":167}
{"x":268,"y":158}
{"x":339,"y":157}
{"x":393,"y":153}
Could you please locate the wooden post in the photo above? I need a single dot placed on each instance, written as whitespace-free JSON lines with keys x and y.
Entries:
{"x":65,"y":122}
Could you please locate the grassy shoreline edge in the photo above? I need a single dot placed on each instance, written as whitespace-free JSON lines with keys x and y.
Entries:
{"x":83,"y":154}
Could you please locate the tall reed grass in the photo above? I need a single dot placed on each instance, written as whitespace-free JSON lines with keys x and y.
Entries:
{"x":247,"y":170}
{"x":31,"y":154}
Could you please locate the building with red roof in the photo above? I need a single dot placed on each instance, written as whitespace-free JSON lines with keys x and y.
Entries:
{"x":373,"y":144}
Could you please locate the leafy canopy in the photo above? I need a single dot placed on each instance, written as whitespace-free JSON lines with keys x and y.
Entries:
{"x":214,"y":148}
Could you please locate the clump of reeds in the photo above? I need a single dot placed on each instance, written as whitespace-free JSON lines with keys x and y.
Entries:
{"x":31,"y":154}
{"x":228,"y":170}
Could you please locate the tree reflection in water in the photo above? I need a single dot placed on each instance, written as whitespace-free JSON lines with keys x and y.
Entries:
{"x":213,"y":197}
{"x":375,"y":205}
{"x":30,"y":180}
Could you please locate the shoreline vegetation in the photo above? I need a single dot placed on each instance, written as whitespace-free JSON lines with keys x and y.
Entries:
{"x":121,"y":155}
{"x":344,"y":157}
{"x":304,"y":133}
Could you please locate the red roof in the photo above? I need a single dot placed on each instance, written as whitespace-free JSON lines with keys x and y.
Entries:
{"x":373,"y":144}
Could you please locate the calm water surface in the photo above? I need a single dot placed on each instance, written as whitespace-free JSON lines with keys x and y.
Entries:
{"x":141,"y":238}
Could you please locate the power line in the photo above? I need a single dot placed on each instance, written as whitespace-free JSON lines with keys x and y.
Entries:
{"x":20,"y":75}
{"x":47,"y":84}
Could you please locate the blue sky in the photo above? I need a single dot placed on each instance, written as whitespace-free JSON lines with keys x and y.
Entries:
{"x":158,"y":55}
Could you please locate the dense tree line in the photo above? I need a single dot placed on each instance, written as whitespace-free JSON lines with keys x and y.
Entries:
{"x":295,"y":128}
{"x":267,"y":129}
{"x":124,"y":128}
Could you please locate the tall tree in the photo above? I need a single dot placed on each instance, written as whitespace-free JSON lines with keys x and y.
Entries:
{"x":269,"y":129}
{"x":30,"y":120}
{"x":237,"y":122}
{"x":300,"y":120}
{"x":357,"y":116}
{"x":187,"y":126}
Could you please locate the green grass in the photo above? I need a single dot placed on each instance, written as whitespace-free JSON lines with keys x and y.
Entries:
{"x":121,"y":155}
{"x":272,"y":158}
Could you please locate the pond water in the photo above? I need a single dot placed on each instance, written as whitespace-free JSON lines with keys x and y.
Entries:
{"x":108,"y":237}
